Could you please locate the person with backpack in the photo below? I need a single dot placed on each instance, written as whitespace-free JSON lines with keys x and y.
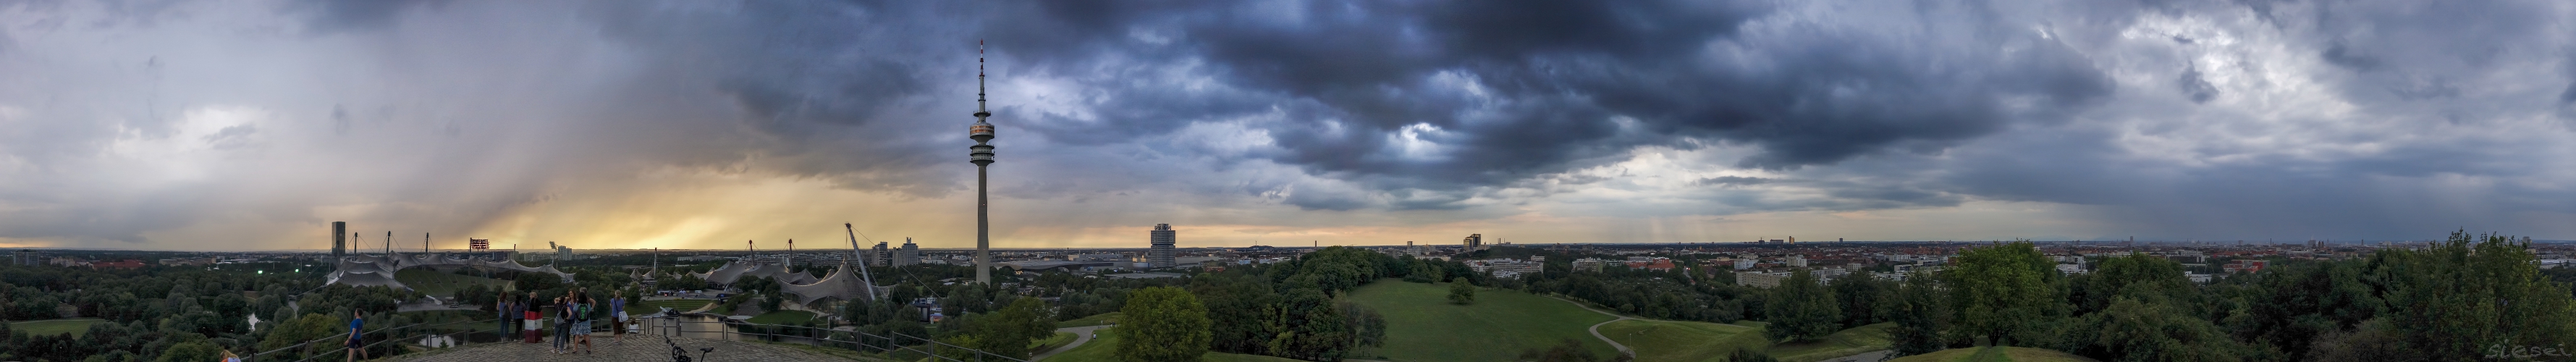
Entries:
{"x":584,"y":311}
{"x":563,"y":322}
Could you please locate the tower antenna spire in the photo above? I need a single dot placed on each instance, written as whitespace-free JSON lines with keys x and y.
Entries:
{"x":979,"y":83}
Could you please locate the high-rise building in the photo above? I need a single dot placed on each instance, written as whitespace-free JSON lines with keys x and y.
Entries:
{"x":878,"y":256}
{"x":1163,"y":239}
{"x":1473,"y":242}
{"x":909,"y":255}
{"x":339,"y":239}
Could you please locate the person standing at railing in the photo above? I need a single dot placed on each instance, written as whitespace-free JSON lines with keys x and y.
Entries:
{"x":528,"y":314}
{"x":563,"y":321}
{"x":617,"y":317}
{"x":502,"y":306}
{"x":357,"y":323}
{"x":586,"y":310}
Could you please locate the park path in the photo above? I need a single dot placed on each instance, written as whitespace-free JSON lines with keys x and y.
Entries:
{"x":1871,"y":356}
{"x":1596,"y":328}
{"x":1080,"y":335}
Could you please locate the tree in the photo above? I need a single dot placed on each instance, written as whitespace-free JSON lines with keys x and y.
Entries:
{"x":1163,"y":324}
{"x":2371,"y":341}
{"x":2146,"y":278}
{"x":2000,"y":291}
{"x":1921,"y":315}
{"x":1805,"y":311}
{"x":537,"y":282}
{"x":1367,"y":327}
{"x":1749,"y":355}
{"x":1008,"y":331}
{"x":1305,"y":325}
{"x":1460,"y":292}
{"x":1237,"y":305}
{"x":192,"y":351}
{"x":2473,"y":293}
{"x":2139,"y":331}
{"x":305,"y":328}
{"x":1864,"y":298}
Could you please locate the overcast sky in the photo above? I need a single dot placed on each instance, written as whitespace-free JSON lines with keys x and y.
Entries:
{"x":239,"y":125}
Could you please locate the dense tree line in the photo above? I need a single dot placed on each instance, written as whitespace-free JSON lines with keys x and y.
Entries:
{"x":2464,"y":299}
{"x":156,"y":312}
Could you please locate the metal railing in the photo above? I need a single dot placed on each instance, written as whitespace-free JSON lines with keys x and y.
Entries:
{"x":894,"y":346}
{"x":378,"y":348}
{"x":384,"y":342}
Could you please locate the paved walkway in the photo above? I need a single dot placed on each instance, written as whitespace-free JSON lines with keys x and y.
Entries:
{"x":1596,"y":328}
{"x":635,"y":349}
{"x":1080,"y":335}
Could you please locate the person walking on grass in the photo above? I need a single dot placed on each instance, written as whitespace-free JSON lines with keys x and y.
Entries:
{"x":357,"y":323}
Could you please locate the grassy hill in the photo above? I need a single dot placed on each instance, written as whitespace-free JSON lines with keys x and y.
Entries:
{"x":1842,"y":343}
{"x":1995,"y":354}
{"x":1105,"y":349}
{"x":783,"y":317}
{"x":1679,"y":341}
{"x":48,"y":327}
{"x":441,"y":285}
{"x":1423,"y":327}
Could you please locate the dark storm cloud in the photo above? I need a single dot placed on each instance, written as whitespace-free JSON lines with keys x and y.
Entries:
{"x":1552,"y":77}
{"x":2168,"y":112}
{"x":349,"y":15}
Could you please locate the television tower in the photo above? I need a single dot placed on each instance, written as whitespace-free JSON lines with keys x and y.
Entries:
{"x":982,"y":155}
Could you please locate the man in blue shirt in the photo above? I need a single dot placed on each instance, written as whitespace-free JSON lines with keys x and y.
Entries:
{"x":357,"y":323}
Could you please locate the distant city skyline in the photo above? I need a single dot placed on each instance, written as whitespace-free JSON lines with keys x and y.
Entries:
{"x":252,"y":125}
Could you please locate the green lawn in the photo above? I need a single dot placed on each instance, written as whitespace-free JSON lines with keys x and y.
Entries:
{"x":74,"y":326}
{"x":1422,"y":326}
{"x":782,"y":317}
{"x":1995,"y":354}
{"x":1105,"y":349}
{"x":1843,"y":343}
{"x":677,"y":305}
{"x":1093,"y":320}
{"x":442,"y":285}
{"x":1678,"y":341}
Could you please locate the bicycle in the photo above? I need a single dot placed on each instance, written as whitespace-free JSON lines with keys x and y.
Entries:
{"x":682,"y":354}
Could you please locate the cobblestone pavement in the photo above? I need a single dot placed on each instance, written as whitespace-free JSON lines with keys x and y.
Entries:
{"x":636,"y":349}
